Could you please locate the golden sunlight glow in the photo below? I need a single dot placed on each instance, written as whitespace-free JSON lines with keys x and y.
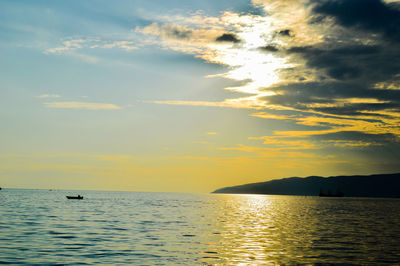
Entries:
{"x":194,"y":96}
{"x":261,"y":70}
{"x":245,"y":60}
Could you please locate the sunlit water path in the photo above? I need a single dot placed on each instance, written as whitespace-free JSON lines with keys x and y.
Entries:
{"x":43,"y":227}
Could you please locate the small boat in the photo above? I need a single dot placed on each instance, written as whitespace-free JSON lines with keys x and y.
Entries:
{"x":75,"y":197}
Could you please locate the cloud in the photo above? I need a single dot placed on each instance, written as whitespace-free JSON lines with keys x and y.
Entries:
{"x":349,"y":61}
{"x":91,"y":43}
{"x":286,"y":33}
{"x":373,"y":16}
{"x":182,"y":38}
{"x":179,"y":32}
{"x":321,"y":66}
{"x":333,"y":97}
{"x":198,"y":103}
{"x":167,"y":31}
{"x":228,"y":37}
{"x":322,"y":124}
{"x":269,"y":48}
{"x":82,"y":105}
{"x":47,"y":96}
{"x":67,"y":46}
{"x":240,"y":103}
{"x":125,"y":45}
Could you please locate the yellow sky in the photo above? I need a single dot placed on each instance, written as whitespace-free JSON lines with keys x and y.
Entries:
{"x":193,"y":98}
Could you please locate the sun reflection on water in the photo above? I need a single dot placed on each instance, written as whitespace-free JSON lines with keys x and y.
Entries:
{"x":188,"y":229}
{"x":248,"y":233}
{"x":261,"y":229}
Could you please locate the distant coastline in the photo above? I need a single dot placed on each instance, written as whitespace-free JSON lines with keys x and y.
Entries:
{"x":378,"y":185}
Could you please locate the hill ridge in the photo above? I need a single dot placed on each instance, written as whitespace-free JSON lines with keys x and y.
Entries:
{"x":375,"y":185}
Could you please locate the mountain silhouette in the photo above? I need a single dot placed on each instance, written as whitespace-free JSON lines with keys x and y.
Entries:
{"x":380,"y":185}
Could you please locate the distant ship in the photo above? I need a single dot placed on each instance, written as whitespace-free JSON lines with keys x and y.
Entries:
{"x":329,"y":194}
{"x":79,"y":197}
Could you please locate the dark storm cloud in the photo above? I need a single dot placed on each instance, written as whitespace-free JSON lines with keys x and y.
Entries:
{"x":228,"y":37}
{"x":352,"y":61}
{"x":348,"y":63}
{"x":317,"y":96}
{"x":286,"y":33}
{"x":325,"y":90}
{"x":348,"y":68}
{"x":368,"y":15}
{"x":269,"y":48}
{"x":352,"y":109}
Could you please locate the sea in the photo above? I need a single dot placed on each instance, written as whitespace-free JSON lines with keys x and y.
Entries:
{"x":42,"y":227}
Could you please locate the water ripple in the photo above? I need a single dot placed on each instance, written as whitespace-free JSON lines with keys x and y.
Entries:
{"x":42,"y":227}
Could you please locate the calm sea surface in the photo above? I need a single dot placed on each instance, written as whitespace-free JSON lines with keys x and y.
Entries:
{"x":43,"y":227}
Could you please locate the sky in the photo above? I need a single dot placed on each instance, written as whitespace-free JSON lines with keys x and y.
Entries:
{"x":191,"y":96}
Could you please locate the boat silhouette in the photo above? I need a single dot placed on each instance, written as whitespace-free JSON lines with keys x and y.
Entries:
{"x":79,"y":197}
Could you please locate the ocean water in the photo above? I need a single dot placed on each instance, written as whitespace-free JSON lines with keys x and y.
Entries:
{"x":43,"y":227}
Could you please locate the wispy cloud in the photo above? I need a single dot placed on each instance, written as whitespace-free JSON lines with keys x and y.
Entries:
{"x":67,"y":46}
{"x":199,"y":103}
{"x":125,"y":45}
{"x":48,"y":96}
{"x":321,"y":125}
{"x":91,"y":43}
{"x":82,"y":105}
{"x":241,"y":103}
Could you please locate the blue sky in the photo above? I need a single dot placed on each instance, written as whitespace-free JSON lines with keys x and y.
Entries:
{"x":194,"y":95}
